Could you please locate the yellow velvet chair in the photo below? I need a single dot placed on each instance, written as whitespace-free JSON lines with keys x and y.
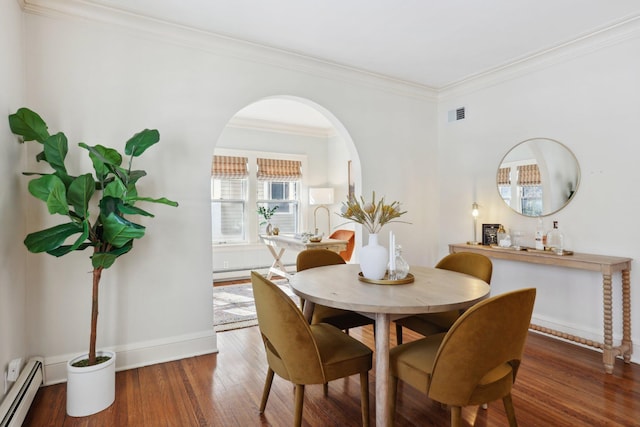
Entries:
{"x":302,"y":353}
{"x":475,"y":363}
{"x":476,"y":265}
{"x":341,"y":319}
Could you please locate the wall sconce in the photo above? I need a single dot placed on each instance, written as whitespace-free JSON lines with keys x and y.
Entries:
{"x":474,"y":214}
{"x":321,"y":197}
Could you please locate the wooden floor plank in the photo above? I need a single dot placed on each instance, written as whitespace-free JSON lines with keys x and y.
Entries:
{"x":559,"y":384}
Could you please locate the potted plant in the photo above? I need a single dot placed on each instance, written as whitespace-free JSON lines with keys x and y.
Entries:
{"x":110,"y":190}
{"x":267,"y":213}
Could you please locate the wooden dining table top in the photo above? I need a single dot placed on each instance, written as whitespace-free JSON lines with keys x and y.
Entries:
{"x":433,"y":290}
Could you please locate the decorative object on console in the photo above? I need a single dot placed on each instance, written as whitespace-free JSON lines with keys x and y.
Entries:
{"x":555,"y":240}
{"x":321,"y":197}
{"x":373,"y":216}
{"x":490,"y":234}
{"x":504,"y":240}
{"x":474,"y":213}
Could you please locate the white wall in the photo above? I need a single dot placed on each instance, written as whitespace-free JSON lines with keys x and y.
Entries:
{"x":100,"y":83}
{"x":13,"y":342}
{"x":588,"y":100}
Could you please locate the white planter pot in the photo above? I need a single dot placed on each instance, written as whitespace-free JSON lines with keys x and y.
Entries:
{"x":91,"y":389}
{"x":373,"y":259}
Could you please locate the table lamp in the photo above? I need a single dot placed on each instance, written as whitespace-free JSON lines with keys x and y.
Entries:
{"x":321,"y":197}
{"x":474,"y":214}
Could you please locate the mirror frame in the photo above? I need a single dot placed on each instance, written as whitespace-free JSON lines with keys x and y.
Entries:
{"x":571,"y":155}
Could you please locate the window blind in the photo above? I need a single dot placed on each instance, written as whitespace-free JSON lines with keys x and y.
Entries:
{"x":529,"y":175}
{"x":229,"y":167}
{"x":504,"y":176}
{"x":279,"y":170}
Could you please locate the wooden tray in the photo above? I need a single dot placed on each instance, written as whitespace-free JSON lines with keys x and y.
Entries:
{"x":385,"y":280}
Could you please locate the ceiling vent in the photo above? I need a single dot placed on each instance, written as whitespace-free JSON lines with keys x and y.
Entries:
{"x":457,"y":114}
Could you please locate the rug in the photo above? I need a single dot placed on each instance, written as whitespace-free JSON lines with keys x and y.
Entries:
{"x":234,"y":308}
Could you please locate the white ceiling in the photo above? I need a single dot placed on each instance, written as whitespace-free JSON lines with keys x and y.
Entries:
{"x":432,"y":43}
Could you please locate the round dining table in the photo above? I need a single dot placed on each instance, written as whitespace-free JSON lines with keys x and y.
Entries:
{"x":432,"y":290}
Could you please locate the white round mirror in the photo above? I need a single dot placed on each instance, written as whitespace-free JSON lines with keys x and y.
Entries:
{"x":538,"y":177}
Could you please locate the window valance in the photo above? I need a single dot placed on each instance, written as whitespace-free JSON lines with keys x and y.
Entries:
{"x":279,"y":170}
{"x":504,"y":176}
{"x":529,"y":175}
{"x":229,"y":167}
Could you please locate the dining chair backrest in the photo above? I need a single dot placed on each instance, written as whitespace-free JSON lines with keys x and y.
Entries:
{"x":489,"y":335}
{"x":350,"y":237}
{"x":290,"y":346}
{"x":473,"y":264}
{"x":311,"y":258}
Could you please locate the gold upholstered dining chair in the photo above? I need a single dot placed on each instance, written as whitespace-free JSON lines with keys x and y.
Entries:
{"x":476,"y":265}
{"x":341,"y":319}
{"x":302,"y":353}
{"x":475,"y":363}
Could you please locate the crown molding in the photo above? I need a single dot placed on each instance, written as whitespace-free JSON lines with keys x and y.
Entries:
{"x":279,"y":127}
{"x":221,"y":45}
{"x":589,"y":43}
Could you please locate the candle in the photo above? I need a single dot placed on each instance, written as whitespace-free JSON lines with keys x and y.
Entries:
{"x":392,"y":252}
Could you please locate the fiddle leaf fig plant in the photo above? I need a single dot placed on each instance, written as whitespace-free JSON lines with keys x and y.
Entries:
{"x":95,"y":204}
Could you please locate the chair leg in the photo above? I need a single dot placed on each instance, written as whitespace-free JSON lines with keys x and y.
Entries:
{"x":511,"y":413}
{"x":364,"y":397}
{"x":266,"y":390}
{"x":325,"y":389}
{"x":398,"y":334}
{"x":456,"y":416}
{"x":299,"y":400}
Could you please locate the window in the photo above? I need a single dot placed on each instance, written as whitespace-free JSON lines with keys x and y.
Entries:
{"x":278,"y":182}
{"x":229,"y":179}
{"x":240,"y":184}
{"x":530,"y":187}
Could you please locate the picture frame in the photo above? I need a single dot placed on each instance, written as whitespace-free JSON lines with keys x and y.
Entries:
{"x":490,"y":234}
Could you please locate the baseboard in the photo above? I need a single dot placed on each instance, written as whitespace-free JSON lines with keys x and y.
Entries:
{"x":142,"y":354}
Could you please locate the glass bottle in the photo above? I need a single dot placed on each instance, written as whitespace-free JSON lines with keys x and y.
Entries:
{"x":539,"y":235}
{"x":402,"y":267}
{"x":504,"y":241}
{"x":555,"y":239}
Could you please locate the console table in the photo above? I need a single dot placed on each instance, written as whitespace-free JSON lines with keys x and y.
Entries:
{"x":278,"y":244}
{"x":607,"y":265}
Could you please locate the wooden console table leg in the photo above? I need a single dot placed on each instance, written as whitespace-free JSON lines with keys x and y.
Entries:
{"x":608,"y":355}
{"x":626,"y":316}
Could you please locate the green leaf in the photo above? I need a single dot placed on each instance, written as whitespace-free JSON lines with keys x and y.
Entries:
{"x":80,"y":192}
{"x":51,"y":238}
{"x":78,"y":244}
{"x":29,"y":125}
{"x":141,"y":141}
{"x":65,"y":249}
{"x":127,"y":209}
{"x":106,"y":259}
{"x":118,"y":231}
{"x":102,"y":157}
{"x":162,"y":200}
{"x":103,"y":259}
{"x":50,"y":189}
{"x":55,"y":151}
{"x":114,"y":189}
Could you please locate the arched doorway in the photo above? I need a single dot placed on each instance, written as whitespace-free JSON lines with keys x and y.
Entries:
{"x":285,"y":127}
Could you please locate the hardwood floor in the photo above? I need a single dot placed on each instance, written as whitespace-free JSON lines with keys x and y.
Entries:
{"x":559,"y":384}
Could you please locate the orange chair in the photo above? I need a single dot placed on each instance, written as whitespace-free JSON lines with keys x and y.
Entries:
{"x":350,"y":237}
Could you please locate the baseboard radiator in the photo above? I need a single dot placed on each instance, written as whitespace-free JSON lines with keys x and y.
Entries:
{"x":16,"y":403}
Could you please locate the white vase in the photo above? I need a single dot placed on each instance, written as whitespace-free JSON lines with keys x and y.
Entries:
{"x":373,"y":259}
{"x":91,"y":389}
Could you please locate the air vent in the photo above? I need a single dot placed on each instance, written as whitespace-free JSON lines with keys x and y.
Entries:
{"x":457,"y":114}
